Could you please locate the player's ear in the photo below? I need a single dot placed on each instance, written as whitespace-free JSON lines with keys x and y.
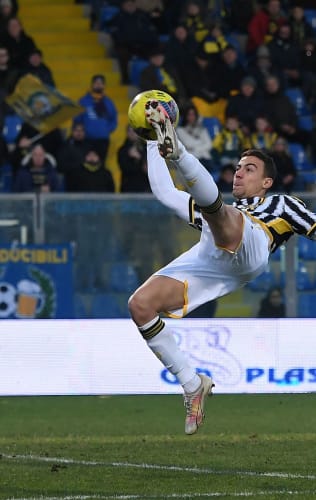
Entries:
{"x":267,"y":182}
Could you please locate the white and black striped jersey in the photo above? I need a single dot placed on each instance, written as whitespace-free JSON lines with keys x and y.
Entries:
{"x":281,"y":216}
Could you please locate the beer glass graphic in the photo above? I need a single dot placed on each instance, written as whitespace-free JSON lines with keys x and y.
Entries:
{"x":30,"y":299}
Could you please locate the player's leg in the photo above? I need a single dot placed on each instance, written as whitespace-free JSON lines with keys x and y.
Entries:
{"x":158,"y":294}
{"x":225,"y":221}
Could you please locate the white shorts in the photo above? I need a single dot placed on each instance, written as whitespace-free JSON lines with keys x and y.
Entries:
{"x":209,"y":272}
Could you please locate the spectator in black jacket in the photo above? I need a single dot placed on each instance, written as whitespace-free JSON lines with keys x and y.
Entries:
{"x":133,"y":34}
{"x":200,"y":80}
{"x":179,"y":49}
{"x":133,"y":164}
{"x":36,"y":67}
{"x":281,"y":112}
{"x":8,"y":9}
{"x":300,"y":27}
{"x":272,"y":305}
{"x":285,"y":54}
{"x":18,"y":43}
{"x":72,"y":154}
{"x":308,"y":67}
{"x":286,"y":171}
{"x":247,"y":105}
{"x":229,"y":72}
{"x":157,"y":75}
{"x":261,"y":67}
{"x":91,"y":176}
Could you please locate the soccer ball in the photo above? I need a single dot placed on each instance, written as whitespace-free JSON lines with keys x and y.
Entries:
{"x":136,"y":112}
{"x":8,"y":299}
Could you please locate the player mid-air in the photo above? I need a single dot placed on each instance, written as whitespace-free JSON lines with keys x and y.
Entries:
{"x":234,"y":247}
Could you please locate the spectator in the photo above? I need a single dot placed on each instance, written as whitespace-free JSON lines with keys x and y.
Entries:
{"x":72,"y":154}
{"x":200,"y":81}
{"x":240,"y":14}
{"x":195,"y":135}
{"x":272,"y":305}
{"x":301,"y":29}
{"x":132,"y":161}
{"x":18,"y":43}
{"x":246,"y":105}
{"x":213,"y":44}
{"x":194,"y":19}
{"x":156,"y":10}
{"x":308,"y":67}
{"x":180,"y":49}
{"x":264,"y":24}
{"x":133,"y":34}
{"x":91,"y":176}
{"x":226,"y":177}
{"x":160,"y":77}
{"x":286,"y":171}
{"x":37,"y":173}
{"x":36,"y":67}
{"x":228,"y":143}
{"x":281,"y":112}
{"x":100,"y":116}
{"x":285,"y":55}
{"x":8,"y":78}
{"x":28,"y":137}
{"x":263,"y":137}
{"x":229,"y":73}
{"x":8,"y":9}
{"x":261,"y":67}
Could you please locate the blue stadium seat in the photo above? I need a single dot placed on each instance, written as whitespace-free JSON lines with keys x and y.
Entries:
{"x":297,"y":97}
{"x":107,"y":13}
{"x":136,"y":66}
{"x":105,"y":305}
{"x":306,"y":248}
{"x":213,"y":125}
{"x":306,"y":305}
{"x":299,"y":156}
{"x":11,"y":127}
{"x":306,"y":122}
{"x":123,"y":277}
{"x":310,"y":16}
{"x":263,"y":282}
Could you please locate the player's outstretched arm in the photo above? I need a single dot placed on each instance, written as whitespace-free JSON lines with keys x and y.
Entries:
{"x":162,"y":185}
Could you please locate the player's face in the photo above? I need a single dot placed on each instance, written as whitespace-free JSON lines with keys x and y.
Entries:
{"x":249,"y":178}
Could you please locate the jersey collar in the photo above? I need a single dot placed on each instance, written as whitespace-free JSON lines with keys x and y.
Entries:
{"x":248,"y":203}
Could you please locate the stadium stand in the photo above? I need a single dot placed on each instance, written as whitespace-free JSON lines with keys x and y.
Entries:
{"x":74,"y":54}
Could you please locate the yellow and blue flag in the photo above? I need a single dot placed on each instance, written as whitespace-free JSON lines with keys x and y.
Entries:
{"x":43,"y":107}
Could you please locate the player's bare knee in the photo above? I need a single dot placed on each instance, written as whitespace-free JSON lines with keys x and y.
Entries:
{"x":138,"y":304}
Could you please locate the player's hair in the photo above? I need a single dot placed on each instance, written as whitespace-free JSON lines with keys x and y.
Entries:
{"x":270,"y":169}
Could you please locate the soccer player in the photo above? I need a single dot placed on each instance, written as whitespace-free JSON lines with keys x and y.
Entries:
{"x":235,"y":244}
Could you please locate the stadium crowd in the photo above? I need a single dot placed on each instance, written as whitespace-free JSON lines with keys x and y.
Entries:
{"x":242,"y":71}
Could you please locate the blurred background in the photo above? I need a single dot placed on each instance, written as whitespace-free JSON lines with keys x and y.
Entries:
{"x":80,"y":229}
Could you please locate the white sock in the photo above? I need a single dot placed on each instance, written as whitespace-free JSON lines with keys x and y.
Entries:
{"x":199,"y":181}
{"x":164,"y":346}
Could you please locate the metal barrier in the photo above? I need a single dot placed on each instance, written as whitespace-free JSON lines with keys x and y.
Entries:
{"x":106,"y":229}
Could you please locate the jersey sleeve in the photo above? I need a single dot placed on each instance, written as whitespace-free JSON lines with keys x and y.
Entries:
{"x":302,"y":220}
{"x":162,"y":185}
